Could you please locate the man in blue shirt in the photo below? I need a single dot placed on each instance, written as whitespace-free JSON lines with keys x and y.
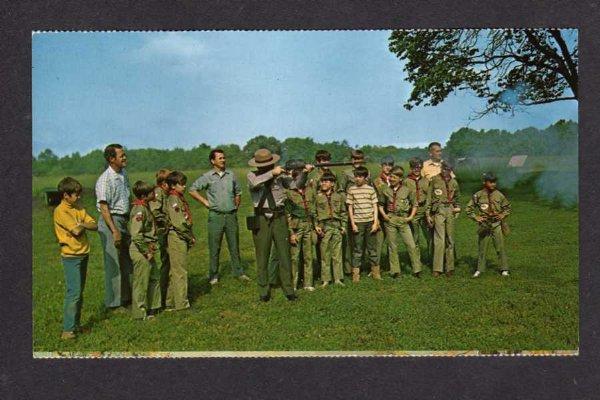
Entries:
{"x":223,"y":196}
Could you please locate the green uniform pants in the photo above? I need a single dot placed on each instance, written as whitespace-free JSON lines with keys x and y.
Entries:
{"x":164,"y":266}
{"x":302,"y":254}
{"x":272,"y":230}
{"x":348,"y":248}
{"x":146,"y":284}
{"x":420,"y":231}
{"x":495,"y":233}
{"x":443,"y":239}
{"x":396,"y":228}
{"x":381,"y":240}
{"x":331,"y":253}
{"x":364,"y":240}
{"x":227,"y":224}
{"x":177,"y":291}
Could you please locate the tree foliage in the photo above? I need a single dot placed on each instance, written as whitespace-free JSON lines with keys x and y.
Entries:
{"x":508,"y":67}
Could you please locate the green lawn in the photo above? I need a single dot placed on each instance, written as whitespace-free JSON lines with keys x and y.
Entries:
{"x":535,"y":308}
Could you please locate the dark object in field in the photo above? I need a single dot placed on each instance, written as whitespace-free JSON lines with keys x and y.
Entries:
{"x":52,"y":197}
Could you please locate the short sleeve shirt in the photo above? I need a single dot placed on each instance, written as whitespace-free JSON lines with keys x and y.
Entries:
{"x":221,"y":189}
{"x":113,"y":188}
{"x":363,"y":200}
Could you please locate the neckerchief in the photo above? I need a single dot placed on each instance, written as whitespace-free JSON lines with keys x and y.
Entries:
{"x":328,"y":195}
{"x":392,"y":206}
{"x":449,"y":193}
{"x":186,"y":206}
{"x":416,"y":179}
{"x":385,"y":178}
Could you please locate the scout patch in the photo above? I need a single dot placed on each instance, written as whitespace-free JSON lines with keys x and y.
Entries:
{"x":484,"y":206}
{"x":438,"y":192}
{"x":139,"y":216}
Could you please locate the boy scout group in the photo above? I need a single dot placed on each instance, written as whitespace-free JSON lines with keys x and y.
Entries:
{"x":305,"y":219}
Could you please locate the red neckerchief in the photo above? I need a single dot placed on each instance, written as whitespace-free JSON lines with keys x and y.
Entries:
{"x":385,"y":178}
{"x":186,"y":206}
{"x":303,"y":194}
{"x":416,"y":179}
{"x":328,"y":195}
{"x":449,"y":194}
{"x":140,"y":202}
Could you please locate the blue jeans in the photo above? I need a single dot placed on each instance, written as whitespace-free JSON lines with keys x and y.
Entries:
{"x":75,"y":273}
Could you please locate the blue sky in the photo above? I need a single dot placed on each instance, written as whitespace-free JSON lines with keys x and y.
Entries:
{"x":180,"y":89}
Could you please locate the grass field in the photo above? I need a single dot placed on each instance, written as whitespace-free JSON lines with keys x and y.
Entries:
{"x":535,"y":308}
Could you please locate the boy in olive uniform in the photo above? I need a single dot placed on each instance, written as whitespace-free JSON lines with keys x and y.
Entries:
{"x":158,"y":207}
{"x":441,"y":209}
{"x":381,"y":182}
{"x":331,"y":217}
{"x":419,"y":185}
{"x":70,"y":224}
{"x":299,"y":209}
{"x":146,"y":296}
{"x":397,"y":206}
{"x":180,"y":240}
{"x":364,"y":220}
{"x":489,"y":208}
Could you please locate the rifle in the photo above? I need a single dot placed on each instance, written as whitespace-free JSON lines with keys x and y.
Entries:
{"x":291,"y":165}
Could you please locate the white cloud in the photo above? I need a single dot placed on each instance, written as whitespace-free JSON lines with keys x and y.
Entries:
{"x":182,"y":51}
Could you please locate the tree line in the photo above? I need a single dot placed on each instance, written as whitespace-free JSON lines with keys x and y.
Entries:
{"x":558,"y":139}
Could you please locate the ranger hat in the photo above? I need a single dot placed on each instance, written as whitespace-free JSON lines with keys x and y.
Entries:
{"x":263,"y":158}
{"x":489,"y":177}
{"x":389,"y":160}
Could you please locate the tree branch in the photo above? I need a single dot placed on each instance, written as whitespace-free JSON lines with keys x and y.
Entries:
{"x":567,"y":56}
{"x":546,"y":101}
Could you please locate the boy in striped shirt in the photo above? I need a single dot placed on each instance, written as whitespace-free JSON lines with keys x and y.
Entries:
{"x":362,"y":210}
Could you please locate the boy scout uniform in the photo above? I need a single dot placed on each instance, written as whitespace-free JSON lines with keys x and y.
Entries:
{"x":441,"y":199}
{"x":379,"y":184}
{"x":489,"y":205}
{"x":418,"y":225}
{"x":180,"y":239}
{"x":398,"y":203}
{"x":331,"y":217}
{"x":158,"y":207}
{"x":300,"y":210}
{"x":146,"y":273}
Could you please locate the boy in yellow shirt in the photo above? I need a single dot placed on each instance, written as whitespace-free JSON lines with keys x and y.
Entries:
{"x":70,"y":224}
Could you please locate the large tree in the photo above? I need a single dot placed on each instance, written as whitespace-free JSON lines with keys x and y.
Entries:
{"x":508,"y":67}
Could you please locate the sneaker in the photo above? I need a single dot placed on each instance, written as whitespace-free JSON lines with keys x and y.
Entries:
{"x":339,"y":283}
{"x":476,"y":274}
{"x":149,"y":317}
{"x":309,"y":288}
{"x":265,"y":299}
{"x":325,"y":284}
{"x":67,"y":335}
{"x":417,"y":274}
{"x":244,"y":277}
{"x":505,"y":273}
{"x":214,"y":281}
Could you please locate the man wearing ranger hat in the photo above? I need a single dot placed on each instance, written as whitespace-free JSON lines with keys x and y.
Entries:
{"x":267,"y":187}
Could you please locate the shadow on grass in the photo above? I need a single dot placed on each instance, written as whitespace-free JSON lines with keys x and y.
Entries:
{"x":198,"y":285}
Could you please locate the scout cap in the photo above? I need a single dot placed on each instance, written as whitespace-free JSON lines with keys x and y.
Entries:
{"x":263,"y":158}
{"x":387,"y":160}
{"x":294,"y":164}
{"x":489,"y":177}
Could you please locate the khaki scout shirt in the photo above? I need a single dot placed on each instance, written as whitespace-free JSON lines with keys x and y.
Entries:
{"x":180,"y":217}
{"x":158,"y":207}
{"x":397,"y":201}
{"x":432,"y":168}
{"x":142,"y":227}
{"x":488,"y":204}
{"x":419,"y":186}
{"x":330,"y":207}
{"x":441,"y":193}
{"x":299,"y":206}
